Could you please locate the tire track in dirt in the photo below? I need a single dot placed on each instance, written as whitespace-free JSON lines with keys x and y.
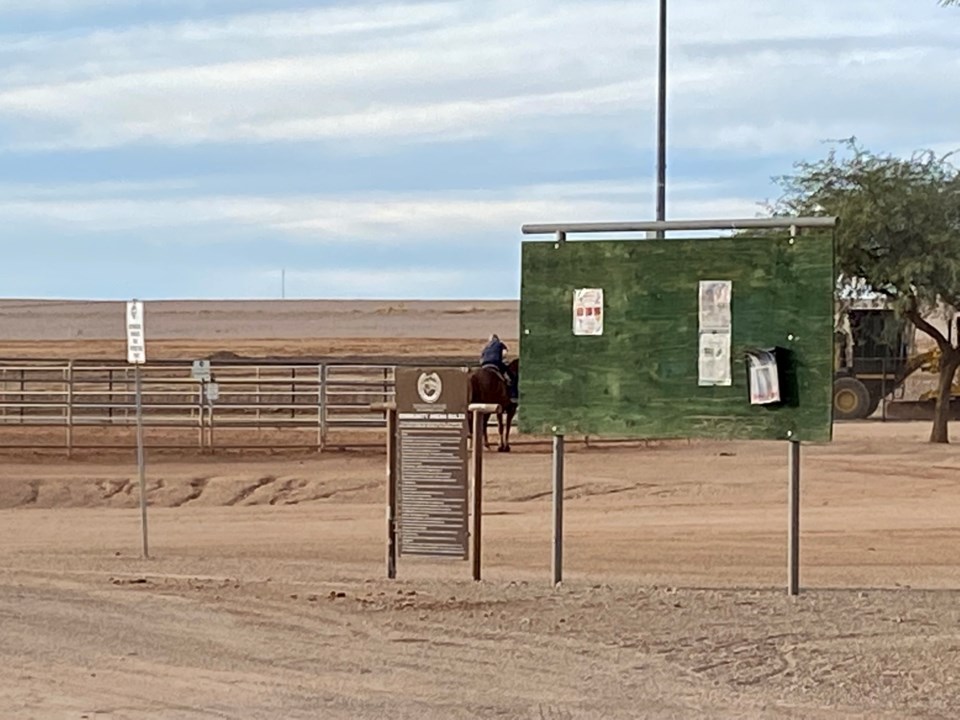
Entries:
{"x":197,"y":486}
{"x":547,"y":493}
{"x":115,"y":488}
{"x":285,"y":490}
{"x":34,"y":495}
{"x":248,"y":491}
{"x":353,"y":488}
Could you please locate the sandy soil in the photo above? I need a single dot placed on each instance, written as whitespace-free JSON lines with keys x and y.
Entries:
{"x":270,"y":328}
{"x":264,"y":597}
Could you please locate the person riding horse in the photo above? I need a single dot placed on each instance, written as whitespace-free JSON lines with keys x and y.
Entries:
{"x":492,"y":356}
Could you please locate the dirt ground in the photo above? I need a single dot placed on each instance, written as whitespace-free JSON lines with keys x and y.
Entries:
{"x":265,"y":595}
{"x":268,"y":328}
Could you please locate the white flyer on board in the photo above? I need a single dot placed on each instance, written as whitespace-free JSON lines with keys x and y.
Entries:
{"x":588,"y":311}
{"x":715,"y":305}
{"x":714,"y":361}
{"x":764,"y":378}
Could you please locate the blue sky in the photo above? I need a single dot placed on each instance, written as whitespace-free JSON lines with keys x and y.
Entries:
{"x":193,"y":148}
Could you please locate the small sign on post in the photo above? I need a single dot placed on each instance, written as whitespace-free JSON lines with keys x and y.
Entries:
{"x":136,"y":338}
{"x":137,"y":356}
{"x":201,"y":370}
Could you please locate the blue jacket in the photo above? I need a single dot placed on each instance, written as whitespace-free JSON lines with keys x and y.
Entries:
{"x":493,"y":353}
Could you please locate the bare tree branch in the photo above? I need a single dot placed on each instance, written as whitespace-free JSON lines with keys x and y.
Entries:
{"x":914,"y":316}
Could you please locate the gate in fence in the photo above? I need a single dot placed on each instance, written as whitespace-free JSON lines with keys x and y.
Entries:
{"x":91,"y":405}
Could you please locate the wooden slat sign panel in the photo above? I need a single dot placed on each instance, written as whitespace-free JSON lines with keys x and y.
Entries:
{"x":432,"y":461}
{"x":665,"y":354}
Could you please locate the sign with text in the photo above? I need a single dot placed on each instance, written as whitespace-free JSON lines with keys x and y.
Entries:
{"x":201,"y":370}
{"x":136,"y":337}
{"x":432,"y":461}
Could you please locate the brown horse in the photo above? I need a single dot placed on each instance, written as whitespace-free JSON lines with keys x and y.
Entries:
{"x":488,"y":386}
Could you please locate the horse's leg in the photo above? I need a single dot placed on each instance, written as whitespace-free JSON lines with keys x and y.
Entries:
{"x":485,"y":419}
{"x":510,"y":413}
{"x":502,"y":447}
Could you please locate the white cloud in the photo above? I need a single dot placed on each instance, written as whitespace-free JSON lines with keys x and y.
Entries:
{"x":373,"y":218}
{"x":90,"y":190}
{"x":43,"y":7}
{"x":463,"y":68}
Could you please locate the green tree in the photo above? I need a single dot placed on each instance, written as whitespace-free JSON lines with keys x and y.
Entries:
{"x":899,"y":236}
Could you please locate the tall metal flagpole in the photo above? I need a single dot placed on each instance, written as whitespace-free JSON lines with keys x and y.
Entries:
{"x":662,"y":120}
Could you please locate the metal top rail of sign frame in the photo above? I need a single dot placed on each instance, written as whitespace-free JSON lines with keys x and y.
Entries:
{"x":773,"y":223}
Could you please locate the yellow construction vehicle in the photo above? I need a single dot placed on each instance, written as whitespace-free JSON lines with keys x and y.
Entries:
{"x":875,"y":353}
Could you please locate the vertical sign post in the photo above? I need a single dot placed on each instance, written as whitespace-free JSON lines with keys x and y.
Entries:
{"x":556,"y":568}
{"x":391,"y":410}
{"x":479,"y":413}
{"x":793,"y":532}
{"x":137,"y":356}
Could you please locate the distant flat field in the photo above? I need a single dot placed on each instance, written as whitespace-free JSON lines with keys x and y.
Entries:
{"x":290,"y":328}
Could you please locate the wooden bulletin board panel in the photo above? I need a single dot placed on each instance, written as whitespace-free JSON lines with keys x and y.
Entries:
{"x":640,"y":379}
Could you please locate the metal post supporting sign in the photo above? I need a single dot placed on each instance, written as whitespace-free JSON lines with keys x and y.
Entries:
{"x":793,"y":532}
{"x":137,"y":356}
{"x":557,"y":563}
{"x":479,"y":411}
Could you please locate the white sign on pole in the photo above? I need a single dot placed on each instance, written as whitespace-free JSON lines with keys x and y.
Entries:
{"x":136,"y":338}
{"x":201,"y":370}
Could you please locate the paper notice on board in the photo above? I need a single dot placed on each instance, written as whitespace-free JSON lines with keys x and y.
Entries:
{"x":715,"y":305}
{"x":764,"y":378}
{"x":714,"y":362}
{"x":588,"y":311}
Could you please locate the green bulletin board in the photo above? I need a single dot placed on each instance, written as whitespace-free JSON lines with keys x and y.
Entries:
{"x":641,"y":377}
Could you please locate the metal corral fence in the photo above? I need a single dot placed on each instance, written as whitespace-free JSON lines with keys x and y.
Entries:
{"x":92,"y":405}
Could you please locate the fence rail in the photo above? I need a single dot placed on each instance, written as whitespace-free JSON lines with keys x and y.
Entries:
{"x":301,"y":404}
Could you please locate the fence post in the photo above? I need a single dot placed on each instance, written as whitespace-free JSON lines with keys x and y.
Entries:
{"x":322,"y":408}
{"x":293,"y":393}
{"x":259,"y":399}
{"x":210,"y":418}
{"x":69,"y":409}
{"x":201,"y":432}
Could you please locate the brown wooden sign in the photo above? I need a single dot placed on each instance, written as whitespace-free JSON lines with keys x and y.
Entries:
{"x":432,"y":462}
